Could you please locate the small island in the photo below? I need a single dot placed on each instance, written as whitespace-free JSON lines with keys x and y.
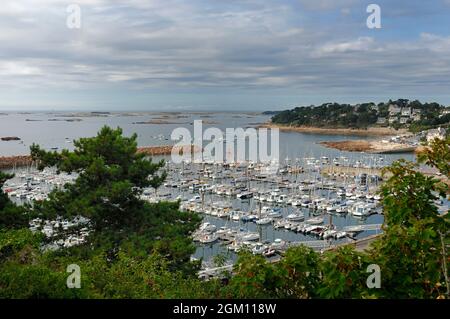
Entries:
{"x":10,"y":138}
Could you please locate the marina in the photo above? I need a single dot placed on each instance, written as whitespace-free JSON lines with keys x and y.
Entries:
{"x":244,"y":208}
{"x":317,"y":197}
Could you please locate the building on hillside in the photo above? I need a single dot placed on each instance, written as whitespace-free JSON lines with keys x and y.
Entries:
{"x":394,"y":109}
{"x":381,"y":120}
{"x":406,"y":111}
{"x":417,"y":117}
{"x":404,"y":120}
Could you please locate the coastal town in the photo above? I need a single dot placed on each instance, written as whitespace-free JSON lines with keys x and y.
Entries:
{"x":400,"y":126}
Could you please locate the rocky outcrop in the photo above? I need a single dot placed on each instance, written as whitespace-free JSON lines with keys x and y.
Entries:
{"x":10,"y":138}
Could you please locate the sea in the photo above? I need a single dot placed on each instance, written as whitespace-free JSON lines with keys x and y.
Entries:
{"x":59,"y":129}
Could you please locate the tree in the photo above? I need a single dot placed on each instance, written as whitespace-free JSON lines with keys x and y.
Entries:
{"x":344,"y":274}
{"x":411,"y":252}
{"x":11,"y":215}
{"x":111,"y":177}
{"x":437,"y":155}
{"x":254,"y":277}
{"x":300,"y":273}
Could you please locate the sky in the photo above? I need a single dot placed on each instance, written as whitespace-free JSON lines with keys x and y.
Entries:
{"x":252,"y":55}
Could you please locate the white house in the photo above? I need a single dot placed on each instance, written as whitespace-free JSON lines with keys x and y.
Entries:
{"x":406,"y":111}
{"x":381,"y":120}
{"x":394,"y":109}
{"x":404,"y":120}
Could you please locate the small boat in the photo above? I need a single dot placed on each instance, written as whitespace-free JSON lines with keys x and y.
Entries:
{"x":296,"y":217}
{"x":244,"y":195}
{"x":264,"y":221}
{"x":208,"y":238}
{"x":354,"y":229}
{"x":234,"y":246}
{"x":235,"y":216}
{"x":340,"y":234}
{"x":275,"y":213}
{"x":248,"y":218}
{"x":208,"y":227}
{"x":269,"y":252}
{"x":250,"y":237}
{"x":278,"y":244}
{"x":315,"y":221}
{"x":329,"y":233}
{"x":259,"y":249}
{"x":280,"y":224}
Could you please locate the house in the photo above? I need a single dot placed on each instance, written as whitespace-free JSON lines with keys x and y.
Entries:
{"x":393,"y":119}
{"x":394,"y":109}
{"x":417,"y":117}
{"x":436,"y":133}
{"x":406,"y":111}
{"x":381,"y":120}
{"x":404,"y":120}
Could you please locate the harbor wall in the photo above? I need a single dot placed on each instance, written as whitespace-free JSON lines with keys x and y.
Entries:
{"x":7,"y":162}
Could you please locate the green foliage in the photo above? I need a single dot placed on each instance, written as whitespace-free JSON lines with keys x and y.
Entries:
{"x":107,"y":192}
{"x":438,"y":155}
{"x":299,"y":272}
{"x":131,"y":277}
{"x":361,"y":116}
{"x":410,"y":260}
{"x":409,"y":196}
{"x":329,"y":115}
{"x":411,"y":251}
{"x":297,"y":275}
{"x":23,"y":274}
{"x":14,"y":241}
{"x":344,"y":274}
{"x":11,"y":215}
{"x":254,"y":277}
{"x":31,"y":281}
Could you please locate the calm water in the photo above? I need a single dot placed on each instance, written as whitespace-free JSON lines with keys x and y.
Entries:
{"x":53,"y":130}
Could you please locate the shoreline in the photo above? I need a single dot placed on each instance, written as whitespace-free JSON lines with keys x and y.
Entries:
{"x":7,"y":162}
{"x":371,"y":131}
{"x":374,"y":147}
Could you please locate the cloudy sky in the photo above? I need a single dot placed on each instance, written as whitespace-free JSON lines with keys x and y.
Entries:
{"x":220,"y":54}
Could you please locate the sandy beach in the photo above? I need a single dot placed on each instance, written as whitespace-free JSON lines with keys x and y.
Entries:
{"x":379,"y":147}
{"x":371,"y":131}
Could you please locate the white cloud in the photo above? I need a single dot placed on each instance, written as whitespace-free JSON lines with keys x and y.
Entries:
{"x":360,"y":44}
{"x":13,"y":68}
